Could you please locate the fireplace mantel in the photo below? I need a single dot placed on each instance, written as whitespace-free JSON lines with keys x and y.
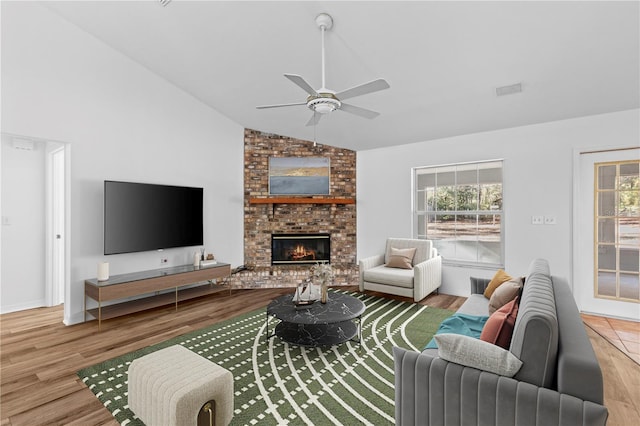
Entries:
{"x":301,"y":200}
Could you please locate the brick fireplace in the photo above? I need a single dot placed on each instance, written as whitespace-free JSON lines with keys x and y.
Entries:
{"x":333,"y":215}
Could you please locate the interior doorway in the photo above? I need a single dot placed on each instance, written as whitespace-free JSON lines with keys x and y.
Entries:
{"x":607,"y":233}
{"x":56,"y":229}
{"x":35,"y":222}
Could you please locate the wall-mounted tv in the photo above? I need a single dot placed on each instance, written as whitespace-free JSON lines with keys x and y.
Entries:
{"x":144,"y":217}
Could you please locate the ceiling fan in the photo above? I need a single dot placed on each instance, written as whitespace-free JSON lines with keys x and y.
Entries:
{"x":323,"y":100}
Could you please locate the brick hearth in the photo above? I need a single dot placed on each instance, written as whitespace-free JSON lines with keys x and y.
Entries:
{"x":261,"y":220}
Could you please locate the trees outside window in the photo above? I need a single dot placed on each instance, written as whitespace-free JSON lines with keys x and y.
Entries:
{"x":459,"y":208}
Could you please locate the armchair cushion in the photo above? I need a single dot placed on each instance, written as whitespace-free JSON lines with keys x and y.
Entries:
{"x":401,"y":258}
{"x":390,"y":276}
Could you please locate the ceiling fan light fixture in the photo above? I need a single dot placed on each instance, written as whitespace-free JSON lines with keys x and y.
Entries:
{"x":324,"y":105}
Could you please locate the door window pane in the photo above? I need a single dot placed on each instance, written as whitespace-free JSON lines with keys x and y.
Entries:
{"x":607,"y":257}
{"x":629,"y":286}
{"x":607,"y":177}
{"x":607,"y":230}
{"x":607,"y":284}
{"x":607,"y":203}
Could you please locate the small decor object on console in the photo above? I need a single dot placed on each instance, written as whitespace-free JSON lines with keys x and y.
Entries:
{"x":322,"y":272}
{"x":103,"y":271}
{"x":209,"y":262}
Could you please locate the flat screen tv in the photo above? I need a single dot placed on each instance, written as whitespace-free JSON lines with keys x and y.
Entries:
{"x":145,"y":217}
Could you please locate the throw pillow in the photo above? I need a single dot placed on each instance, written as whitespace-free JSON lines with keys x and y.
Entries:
{"x":499,"y":327}
{"x":475,"y":353}
{"x":505,"y":293}
{"x":500,"y":277}
{"x":401,"y":258}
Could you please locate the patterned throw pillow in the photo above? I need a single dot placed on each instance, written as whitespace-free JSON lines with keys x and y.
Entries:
{"x":499,"y":327}
{"x":401,"y":258}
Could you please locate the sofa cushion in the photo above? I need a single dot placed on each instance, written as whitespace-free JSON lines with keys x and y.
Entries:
{"x":505,"y":293}
{"x":390,"y":276}
{"x":401,"y":258}
{"x":499,"y":327}
{"x":499,"y":277}
{"x":476,"y":304}
{"x":478,"y":354}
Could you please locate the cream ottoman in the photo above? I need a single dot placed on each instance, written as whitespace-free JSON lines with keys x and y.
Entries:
{"x":170,"y":386}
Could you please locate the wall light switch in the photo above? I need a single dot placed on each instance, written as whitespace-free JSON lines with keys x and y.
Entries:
{"x":550,"y":220}
{"x":537,"y":220}
{"x":6,"y":221}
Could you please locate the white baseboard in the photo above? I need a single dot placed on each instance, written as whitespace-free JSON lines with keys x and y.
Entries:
{"x":75,"y":318}
{"x":23,"y":306}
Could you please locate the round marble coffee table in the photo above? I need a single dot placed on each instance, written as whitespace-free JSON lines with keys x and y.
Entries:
{"x":319,"y":324}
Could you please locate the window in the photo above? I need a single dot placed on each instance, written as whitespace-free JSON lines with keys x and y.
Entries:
{"x":617,"y":226}
{"x":459,"y":208}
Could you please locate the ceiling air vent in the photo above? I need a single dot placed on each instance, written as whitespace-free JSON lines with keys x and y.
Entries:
{"x":164,"y":2}
{"x":509,"y":90}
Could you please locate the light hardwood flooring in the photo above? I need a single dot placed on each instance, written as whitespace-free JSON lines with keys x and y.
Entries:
{"x":624,"y":335}
{"x":40,"y":356}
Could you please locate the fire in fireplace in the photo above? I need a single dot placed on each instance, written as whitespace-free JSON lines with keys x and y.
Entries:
{"x":293,"y":249}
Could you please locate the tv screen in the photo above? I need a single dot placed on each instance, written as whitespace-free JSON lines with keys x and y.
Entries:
{"x":144,"y":217}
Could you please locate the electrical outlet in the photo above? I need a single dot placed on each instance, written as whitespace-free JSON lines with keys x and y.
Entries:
{"x":537,"y":220}
{"x":550,"y":220}
{"x":164,"y":260}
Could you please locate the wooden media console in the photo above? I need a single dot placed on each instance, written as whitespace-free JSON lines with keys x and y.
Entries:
{"x":151,"y":284}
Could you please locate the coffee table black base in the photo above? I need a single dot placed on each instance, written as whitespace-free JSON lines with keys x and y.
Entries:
{"x":317,"y":334}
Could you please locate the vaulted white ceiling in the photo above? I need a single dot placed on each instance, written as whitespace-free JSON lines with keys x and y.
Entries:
{"x":442,"y":59}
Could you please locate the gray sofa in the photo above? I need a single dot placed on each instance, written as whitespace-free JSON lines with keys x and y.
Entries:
{"x":559,"y":383}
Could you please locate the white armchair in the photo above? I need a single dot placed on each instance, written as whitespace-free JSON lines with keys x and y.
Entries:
{"x":423,"y":279}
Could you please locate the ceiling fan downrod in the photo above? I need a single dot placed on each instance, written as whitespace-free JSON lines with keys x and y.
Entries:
{"x":324,"y":22}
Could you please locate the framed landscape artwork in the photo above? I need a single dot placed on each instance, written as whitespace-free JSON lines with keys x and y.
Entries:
{"x":299,"y":176}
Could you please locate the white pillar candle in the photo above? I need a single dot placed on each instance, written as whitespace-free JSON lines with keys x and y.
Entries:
{"x":103,"y":271}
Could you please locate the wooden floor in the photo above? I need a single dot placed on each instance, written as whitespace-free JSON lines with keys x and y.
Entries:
{"x":40,"y":357}
{"x":624,"y":335}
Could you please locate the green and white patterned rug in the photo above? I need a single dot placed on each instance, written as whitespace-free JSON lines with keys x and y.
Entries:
{"x":276,"y":383}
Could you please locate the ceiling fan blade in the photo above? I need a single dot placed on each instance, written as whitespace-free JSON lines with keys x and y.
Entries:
{"x":362,"y":112}
{"x":363,"y":89}
{"x":315,"y":118}
{"x":280,"y":105}
{"x":301,"y":82}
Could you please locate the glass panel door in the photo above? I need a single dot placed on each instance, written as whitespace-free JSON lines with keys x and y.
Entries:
{"x":617,"y":230}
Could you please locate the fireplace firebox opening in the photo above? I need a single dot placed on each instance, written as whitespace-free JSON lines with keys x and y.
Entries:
{"x":296,"y":249}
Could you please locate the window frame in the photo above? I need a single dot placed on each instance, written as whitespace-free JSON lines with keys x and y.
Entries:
{"x":416,"y":214}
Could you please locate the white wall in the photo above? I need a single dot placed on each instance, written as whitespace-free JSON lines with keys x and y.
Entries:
{"x":23,"y":227}
{"x":538,"y":164}
{"x":123,"y":123}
